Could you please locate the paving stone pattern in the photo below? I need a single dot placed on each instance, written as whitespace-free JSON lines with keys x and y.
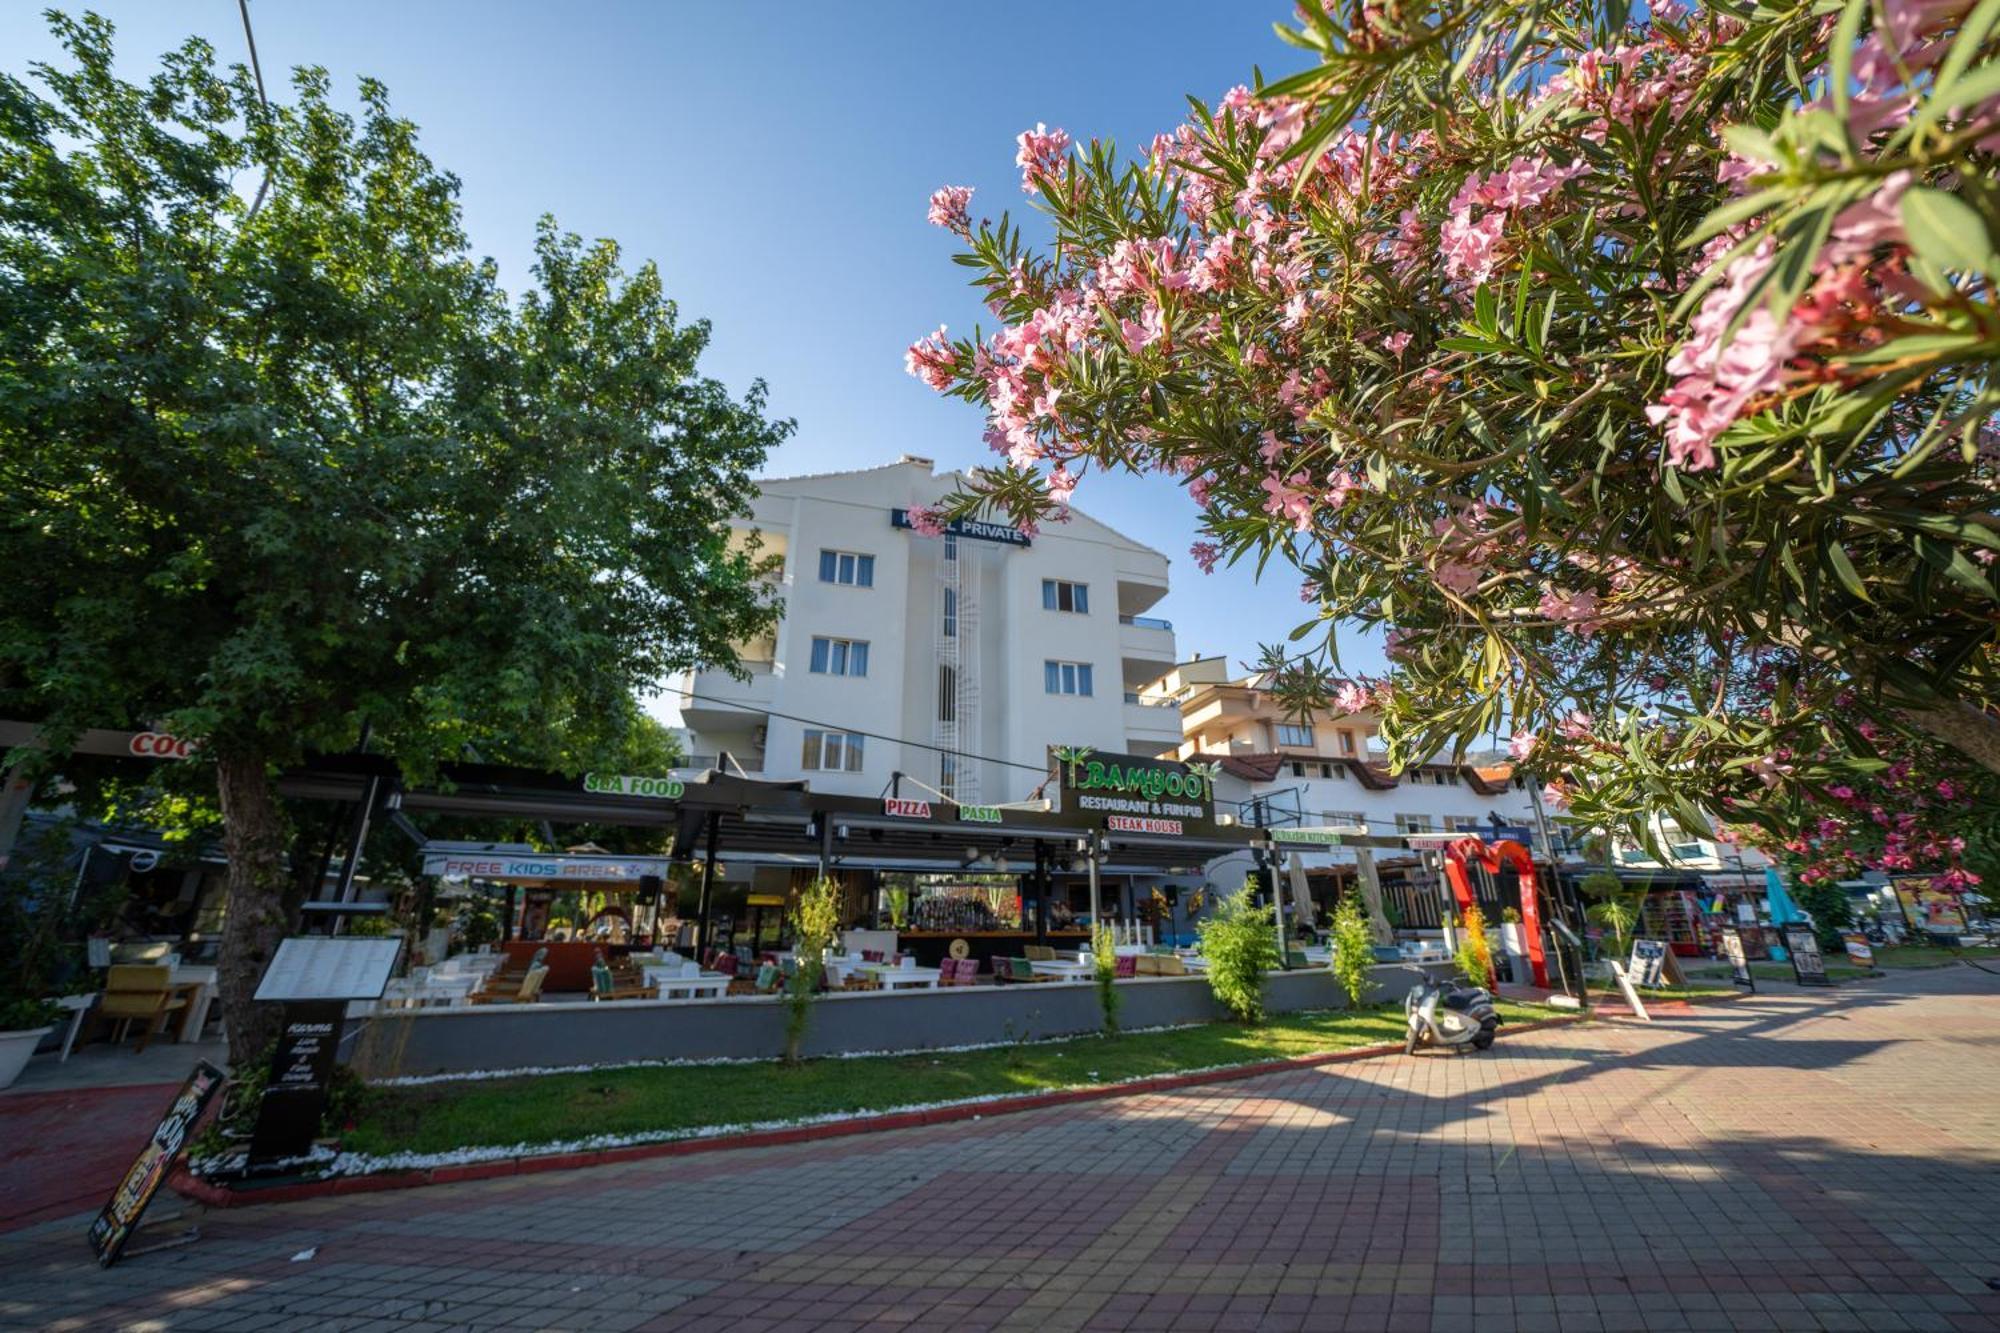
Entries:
{"x":1797,"y":1160}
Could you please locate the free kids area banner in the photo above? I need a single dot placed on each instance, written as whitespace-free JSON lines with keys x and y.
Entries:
{"x":1128,"y":793}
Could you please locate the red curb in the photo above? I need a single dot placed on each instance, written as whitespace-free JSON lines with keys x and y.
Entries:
{"x":216,"y":1196}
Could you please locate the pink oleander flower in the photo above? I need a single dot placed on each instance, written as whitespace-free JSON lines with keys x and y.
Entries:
{"x":1396,"y":342}
{"x":932,"y":360}
{"x":1205,"y":554}
{"x":1399,"y":644}
{"x":1309,"y":591}
{"x":1352,"y":698}
{"x":1577,"y":726}
{"x":1522,"y":744}
{"x":1062,"y":484}
{"x":1457,"y":576}
{"x":949,"y":209}
{"x":1578,"y":610}
{"x":925,"y":521}
{"x":1770,"y":771}
{"x":1290,"y":499}
{"x":1040,"y":156}
{"x":1556,"y":794}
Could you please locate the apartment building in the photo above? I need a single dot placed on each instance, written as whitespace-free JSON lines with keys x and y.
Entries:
{"x":1324,"y":770}
{"x":958,"y":660}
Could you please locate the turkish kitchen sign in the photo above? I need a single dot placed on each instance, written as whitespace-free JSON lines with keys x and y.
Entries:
{"x":1318,"y":837}
{"x":976,"y":529}
{"x":657,"y":789}
{"x":1133,"y":794}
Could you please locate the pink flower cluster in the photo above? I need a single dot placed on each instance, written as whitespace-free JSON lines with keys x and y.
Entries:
{"x":951,"y":209}
{"x":1578,"y":610}
{"x":1719,"y":379}
{"x":1469,"y":248}
{"x":1040,"y":156}
{"x":932,"y":360}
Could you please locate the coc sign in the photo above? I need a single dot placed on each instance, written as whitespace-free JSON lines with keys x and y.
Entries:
{"x":160,"y":745}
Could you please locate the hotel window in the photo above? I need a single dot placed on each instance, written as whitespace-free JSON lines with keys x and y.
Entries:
{"x":1329,"y":771}
{"x":1300,"y":737}
{"x":1066,"y":678}
{"x":1346,"y":819}
{"x":1060,"y":596}
{"x":1414,"y":824}
{"x":847,"y":567}
{"x":1347,"y":742}
{"x":839,"y":657}
{"x":951,"y":613}
{"x":1298,"y":770}
{"x":832,"y":752}
{"x":948,"y":775}
{"x":1461,"y":824}
{"x":947,"y":693}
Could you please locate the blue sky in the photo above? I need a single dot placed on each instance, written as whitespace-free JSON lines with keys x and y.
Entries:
{"x":775,"y":159}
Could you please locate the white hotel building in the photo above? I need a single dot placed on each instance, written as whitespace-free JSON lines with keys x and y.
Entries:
{"x":935,"y":657}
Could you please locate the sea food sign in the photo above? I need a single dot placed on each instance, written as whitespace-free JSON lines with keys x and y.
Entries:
{"x":1133,"y":794}
{"x":611,"y":784}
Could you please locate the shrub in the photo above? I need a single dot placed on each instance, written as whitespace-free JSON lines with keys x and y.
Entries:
{"x":1831,"y":912}
{"x":1353,"y":949}
{"x":1237,"y":940}
{"x":1104,"y":953}
{"x":1475,"y":955}
{"x":815,"y":918}
{"x":1615,"y":915}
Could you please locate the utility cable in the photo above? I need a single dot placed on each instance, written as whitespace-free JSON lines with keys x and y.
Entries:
{"x":256,"y":69}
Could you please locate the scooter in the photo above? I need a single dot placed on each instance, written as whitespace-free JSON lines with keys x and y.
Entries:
{"x":1440,"y":1013}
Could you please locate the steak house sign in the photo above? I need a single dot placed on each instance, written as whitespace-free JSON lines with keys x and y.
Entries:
{"x":1133,"y":794}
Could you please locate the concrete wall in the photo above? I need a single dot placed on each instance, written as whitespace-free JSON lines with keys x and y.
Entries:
{"x":435,"y":1041}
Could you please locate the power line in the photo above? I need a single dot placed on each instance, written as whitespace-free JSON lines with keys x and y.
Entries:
{"x":925,"y":745}
{"x":256,"y":69}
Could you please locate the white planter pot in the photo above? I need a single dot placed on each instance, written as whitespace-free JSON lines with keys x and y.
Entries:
{"x":15,"y":1048}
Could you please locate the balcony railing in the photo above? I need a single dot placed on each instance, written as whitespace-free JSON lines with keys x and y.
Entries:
{"x":1147,"y":622}
{"x":1133,"y":697}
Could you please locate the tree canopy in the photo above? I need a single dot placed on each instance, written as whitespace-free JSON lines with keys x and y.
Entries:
{"x":283,"y":460}
{"x":1632,"y":369}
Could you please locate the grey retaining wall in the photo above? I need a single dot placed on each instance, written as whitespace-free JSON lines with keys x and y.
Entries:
{"x":437,"y":1041}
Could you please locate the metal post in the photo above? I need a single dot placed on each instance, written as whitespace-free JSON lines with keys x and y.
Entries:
{"x":825,"y":844}
{"x":707,"y":882}
{"x":1041,"y":883}
{"x":1096,"y":917}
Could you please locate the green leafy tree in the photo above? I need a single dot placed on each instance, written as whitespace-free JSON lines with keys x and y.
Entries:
{"x":1618,"y":361}
{"x":815,"y":921}
{"x":1353,"y":948}
{"x":1831,"y":912}
{"x":1238,"y":945}
{"x":1104,"y":969}
{"x":277,"y":477}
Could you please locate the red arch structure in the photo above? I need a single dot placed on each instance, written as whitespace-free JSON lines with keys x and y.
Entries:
{"x":1471,"y":851}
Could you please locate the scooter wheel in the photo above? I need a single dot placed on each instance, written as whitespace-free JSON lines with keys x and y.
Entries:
{"x":1483,"y":1040}
{"x":1410,"y":1042}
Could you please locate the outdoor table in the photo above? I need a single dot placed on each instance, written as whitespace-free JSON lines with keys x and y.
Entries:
{"x":1318,"y":955}
{"x":197,"y":986}
{"x":1194,"y":962}
{"x":893,"y":976}
{"x":697,"y":985}
{"x":1064,"y":968}
{"x":450,"y":989}
{"x":78,"y":1006}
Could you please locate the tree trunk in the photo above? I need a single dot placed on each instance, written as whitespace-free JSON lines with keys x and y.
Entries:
{"x":1972,"y":731}
{"x":259,"y":908}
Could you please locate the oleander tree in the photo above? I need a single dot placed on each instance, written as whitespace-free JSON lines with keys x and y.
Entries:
{"x":1610,"y":360}
{"x":284,"y":465}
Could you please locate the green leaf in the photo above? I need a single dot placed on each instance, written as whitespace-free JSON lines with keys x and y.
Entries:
{"x":1843,"y":569}
{"x":1947,"y":231}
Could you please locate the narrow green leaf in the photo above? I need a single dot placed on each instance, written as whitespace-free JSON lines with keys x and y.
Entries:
{"x":1843,"y":569}
{"x":1947,"y":231}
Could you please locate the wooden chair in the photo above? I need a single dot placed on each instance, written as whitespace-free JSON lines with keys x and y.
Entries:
{"x":1172,"y":966}
{"x":528,"y":992}
{"x":1038,"y":953}
{"x":137,"y":993}
{"x":608,"y":985}
{"x":1023,"y":969}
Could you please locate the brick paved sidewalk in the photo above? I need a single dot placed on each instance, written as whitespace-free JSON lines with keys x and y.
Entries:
{"x":1794,"y":1161}
{"x":67,"y":1149}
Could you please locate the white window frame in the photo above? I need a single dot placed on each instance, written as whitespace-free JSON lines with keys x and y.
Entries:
{"x":849,"y":751}
{"x":839,"y":657}
{"x":854,"y":564}
{"x":1461,"y":823}
{"x":1289,"y":733}
{"x":1415,"y":824}
{"x":1054,"y":590}
{"x":1070,"y":680}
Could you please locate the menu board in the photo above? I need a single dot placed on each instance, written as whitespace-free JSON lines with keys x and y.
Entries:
{"x":1859,"y":950}
{"x":308,"y":968}
{"x":1739,"y":962}
{"x":1807,"y":965}
{"x":1649,"y":960}
{"x":120,"y":1218}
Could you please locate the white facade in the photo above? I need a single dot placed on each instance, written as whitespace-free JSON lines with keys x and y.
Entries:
{"x":958,"y":640}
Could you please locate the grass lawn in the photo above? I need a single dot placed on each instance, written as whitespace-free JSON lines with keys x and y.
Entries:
{"x":1913,"y":955}
{"x":547,"y":1108}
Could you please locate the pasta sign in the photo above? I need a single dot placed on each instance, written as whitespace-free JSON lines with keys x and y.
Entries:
{"x":1134,"y":794}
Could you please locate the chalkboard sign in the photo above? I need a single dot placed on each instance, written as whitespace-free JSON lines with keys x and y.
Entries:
{"x":288,"y":1118}
{"x":1739,"y":962}
{"x":114,"y":1226}
{"x":1649,"y":960}
{"x":1807,"y":965}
